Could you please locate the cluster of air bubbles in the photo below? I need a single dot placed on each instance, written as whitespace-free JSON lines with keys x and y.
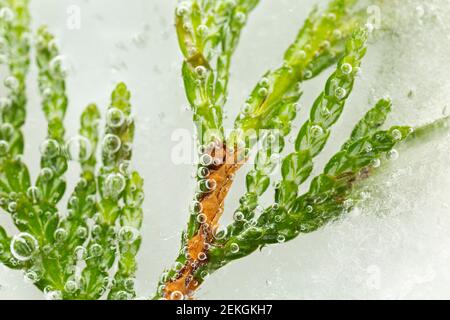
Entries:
{"x":176,"y":295}
{"x":128,"y":234}
{"x":337,"y":34}
{"x":281,"y":238}
{"x":316,"y":131}
{"x":34,"y":194}
{"x":73,"y":200}
{"x":230,"y":4}
{"x":201,"y":72}
{"x":203,"y":172}
{"x":133,"y":202}
{"x":264,"y":82}
{"x":51,"y":294}
{"x":376,"y":163}
{"x":129,"y":284}
{"x":340,"y":93}
{"x":182,"y":9}
{"x":234,"y":248}
{"x":95,"y":250}
{"x":250,"y":223}
{"x":12,"y":204}
{"x":7,"y":130}
{"x":115,"y":184}
{"x":59,"y":66}
{"x":219,"y":233}
{"x":96,"y":230}
{"x":207,"y":185}
{"x":46,"y":174}
{"x":202,"y":30}
{"x":238,"y":216}
{"x":12,"y":83}
{"x":273,"y":142}
{"x":307,"y":74}
{"x":71,"y":286}
{"x":50,"y":148}
{"x":278,"y":218}
{"x":397,"y":134}
{"x":346,"y":68}
{"x":82,"y":232}
{"x":47,"y":93}
{"x":6,"y":14}
{"x":204,"y":274}
{"x":195,"y":206}
{"x":60,"y":235}
{"x":206,"y":160}
{"x":111,"y":143}
{"x":301,"y":54}
{"x":32,"y":276}
{"x":78,"y":148}
{"x":91,"y":199}
{"x":115,"y":118}
{"x":47,"y":249}
{"x":53,"y":44}
{"x":326,"y":44}
{"x":127,"y":147}
{"x":240,"y":17}
{"x":265,"y":162}
{"x":178,"y":265}
{"x":5,"y":103}
{"x":125,"y":167}
{"x":122,"y":295}
{"x":23,"y":246}
{"x":201,"y":218}
{"x":298,"y":90}
{"x":202,"y":256}
{"x":264,"y":85}
{"x":392,"y":155}
{"x":187,"y":26}
{"x":247,"y":108}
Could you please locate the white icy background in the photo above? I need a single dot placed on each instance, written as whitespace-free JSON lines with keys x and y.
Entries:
{"x":398,"y":246}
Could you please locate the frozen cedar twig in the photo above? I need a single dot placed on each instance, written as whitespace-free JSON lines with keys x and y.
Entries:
{"x":332,"y":36}
{"x":87,"y":251}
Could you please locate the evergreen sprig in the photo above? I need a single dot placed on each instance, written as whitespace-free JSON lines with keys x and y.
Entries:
{"x":88,"y":250}
{"x":208,"y":33}
{"x":273,"y":103}
{"x":332,"y":36}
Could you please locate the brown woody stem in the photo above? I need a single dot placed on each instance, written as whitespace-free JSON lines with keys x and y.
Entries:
{"x":212,"y":206}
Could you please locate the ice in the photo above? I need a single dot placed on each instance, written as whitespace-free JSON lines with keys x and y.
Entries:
{"x":397,"y":245}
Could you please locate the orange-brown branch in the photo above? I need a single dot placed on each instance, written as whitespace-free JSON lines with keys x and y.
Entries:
{"x":212,"y":206}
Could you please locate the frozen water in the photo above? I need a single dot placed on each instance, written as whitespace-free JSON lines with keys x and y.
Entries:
{"x":395,"y":246}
